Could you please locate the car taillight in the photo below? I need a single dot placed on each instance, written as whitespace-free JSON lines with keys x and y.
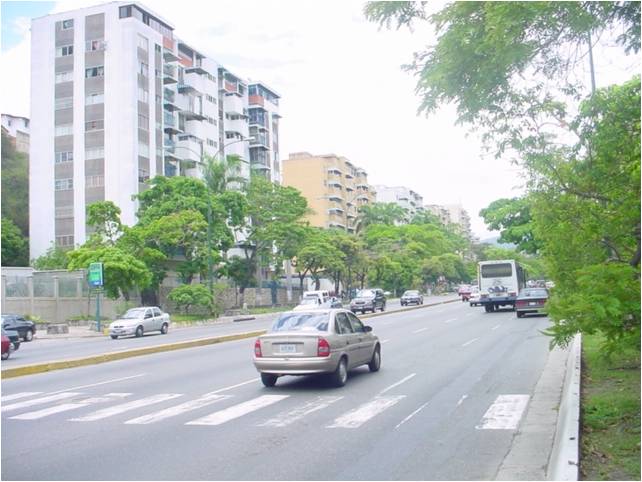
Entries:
{"x":520,"y":303}
{"x":323,"y":347}
{"x":512,"y":293}
{"x":257,"y":349}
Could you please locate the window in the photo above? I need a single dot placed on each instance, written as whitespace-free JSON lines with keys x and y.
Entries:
{"x":64,"y":103}
{"x":95,"y":153}
{"x":67,"y":76}
{"x":211,"y":120}
{"x":95,"y":125}
{"x":356,"y":323}
{"x":65,"y":130}
{"x":211,"y":77}
{"x":503,"y":270}
{"x":64,"y":241}
{"x":93,"y":45}
{"x":143,"y":150}
{"x":142,"y":42}
{"x":143,"y":175}
{"x":64,"y":156}
{"x":64,"y":212}
{"x":95,"y":181}
{"x":301,"y":321}
{"x":97,"y":98}
{"x":64,"y":184}
{"x":125,"y":12}
{"x":157,"y":48}
{"x":143,"y":95}
{"x":64,"y":51}
{"x":143,"y":68}
{"x":343,"y":325}
{"x":211,"y":99}
{"x":211,"y":143}
{"x":98,"y":71}
{"x":67,"y":24}
{"x":143,"y":122}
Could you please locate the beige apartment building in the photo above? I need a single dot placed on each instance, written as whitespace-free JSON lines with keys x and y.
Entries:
{"x":334,"y":187}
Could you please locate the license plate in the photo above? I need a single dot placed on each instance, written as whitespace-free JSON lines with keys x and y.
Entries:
{"x":287,"y":348}
{"x":533,"y":303}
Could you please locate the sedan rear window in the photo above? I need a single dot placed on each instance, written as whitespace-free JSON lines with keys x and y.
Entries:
{"x":301,"y":322}
{"x":535,"y":293}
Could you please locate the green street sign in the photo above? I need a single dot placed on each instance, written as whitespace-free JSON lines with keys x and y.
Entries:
{"x":95,"y":275}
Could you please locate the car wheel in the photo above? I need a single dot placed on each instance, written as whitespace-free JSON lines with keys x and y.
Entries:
{"x":113,"y":337}
{"x":383,"y":307}
{"x":375,"y":363}
{"x":340,"y":375}
{"x":139,"y":332}
{"x":268,"y":379}
{"x":164,"y":329}
{"x":29,"y":335}
{"x":5,"y":355}
{"x":520,"y":314}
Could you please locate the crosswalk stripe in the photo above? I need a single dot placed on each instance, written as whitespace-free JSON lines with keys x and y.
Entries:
{"x":236,"y":411}
{"x":39,"y":401}
{"x":118,"y":409}
{"x":65,"y":407}
{"x":365,"y":412}
{"x":288,"y":417}
{"x":505,"y":413}
{"x":16,"y":396}
{"x":178,"y":409}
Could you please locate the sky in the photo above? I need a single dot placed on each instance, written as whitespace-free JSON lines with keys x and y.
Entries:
{"x":342,"y":87}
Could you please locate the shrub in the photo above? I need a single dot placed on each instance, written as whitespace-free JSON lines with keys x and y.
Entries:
{"x":186,"y":296}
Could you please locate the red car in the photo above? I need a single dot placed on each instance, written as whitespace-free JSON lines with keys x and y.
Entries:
{"x":464,"y":292}
{"x":6,"y":347}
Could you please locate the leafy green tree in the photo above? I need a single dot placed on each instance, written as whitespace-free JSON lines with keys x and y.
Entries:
{"x":15,"y":186}
{"x":186,"y":296}
{"x":317,"y":255}
{"x":54,"y":258}
{"x":122,"y":272}
{"x":241,"y":271}
{"x":15,"y":248}
{"x":512,"y":218}
{"x":381,"y":213}
{"x":104,"y":218}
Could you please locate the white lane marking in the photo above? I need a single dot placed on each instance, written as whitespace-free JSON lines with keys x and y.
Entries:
{"x":440,"y":311}
{"x":505,"y":413}
{"x":65,"y":407}
{"x":16,"y":396}
{"x":288,"y":417}
{"x":451,"y":320}
{"x":40,"y":401}
{"x":470,"y":341}
{"x":236,"y":411}
{"x":495,"y":327}
{"x":387,"y":322}
{"x":203,"y":401}
{"x":420,"y":330}
{"x":461,"y":400}
{"x":234,"y":386}
{"x":124,"y":407}
{"x":384,"y":341}
{"x":102,"y":383}
{"x":412,"y":415}
{"x":470,"y":314}
{"x":397,"y":384}
{"x":360,"y":415}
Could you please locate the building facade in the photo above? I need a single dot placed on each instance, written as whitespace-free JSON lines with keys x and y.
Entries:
{"x":116,"y":99}
{"x":402,"y":196}
{"x":334,"y":187}
{"x":17,"y":128}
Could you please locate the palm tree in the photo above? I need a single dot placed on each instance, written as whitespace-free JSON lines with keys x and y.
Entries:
{"x":220,"y":174}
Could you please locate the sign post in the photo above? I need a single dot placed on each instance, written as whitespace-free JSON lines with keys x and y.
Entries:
{"x":96,"y":282}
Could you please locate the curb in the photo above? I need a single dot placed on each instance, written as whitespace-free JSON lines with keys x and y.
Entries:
{"x":564,"y":461}
{"x":107,"y":357}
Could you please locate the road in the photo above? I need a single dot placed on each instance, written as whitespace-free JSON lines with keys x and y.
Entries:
{"x":433,"y":412}
{"x":48,"y":350}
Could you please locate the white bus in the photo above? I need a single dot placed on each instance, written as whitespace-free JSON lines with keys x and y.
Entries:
{"x":500,"y":281}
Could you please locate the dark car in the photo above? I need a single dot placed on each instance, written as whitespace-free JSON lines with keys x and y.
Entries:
{"x":412,"y":296}
{"x":25,"y":328}
{"x":13,"y":337}
{"x":531,"y":300}
{"x":368,"y":300}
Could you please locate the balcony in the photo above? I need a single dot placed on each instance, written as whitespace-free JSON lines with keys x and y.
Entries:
{"x":334,"y":170}
{"x":335,"y":184}
{"x":234,"y":104}
{"x":169,"y":100}
{"x":170,"y":169}
{"x":196,"y":68}
{"x":260,"y":141}
{"x":170,"y":125}
{"x":336,"y":211}
{"x":189,"y":149}
{"x":256,"y":100}
{"x":191,"y":113}
{"x":259,"y":166}
{"x":169,"y":74}
{"x":335,"y":198}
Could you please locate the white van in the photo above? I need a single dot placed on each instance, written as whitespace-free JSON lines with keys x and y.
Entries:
{"x":317,"y":299}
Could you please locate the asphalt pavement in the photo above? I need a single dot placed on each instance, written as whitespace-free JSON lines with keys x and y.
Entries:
{"x":455,"y":385}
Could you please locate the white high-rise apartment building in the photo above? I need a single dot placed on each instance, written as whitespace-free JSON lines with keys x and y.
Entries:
{"x":116,"y":99}
{"x":404,"y":197}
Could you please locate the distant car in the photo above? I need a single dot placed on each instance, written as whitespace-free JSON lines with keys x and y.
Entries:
{"x":316,"y":342}
{"x":138,"y":321}
{"x":5,"y":346}
{"x":368,"y":300}
{"x":26,"y":329}
{"x":531,"y":300}
{"x":312,"y":303}
{"x":474,"y":297}
{"x":464,"y":292}
{"x":412,"y":296}
{"x":14,"y":338}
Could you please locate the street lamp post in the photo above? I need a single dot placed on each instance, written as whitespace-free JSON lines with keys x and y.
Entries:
{"x":207,"y":173}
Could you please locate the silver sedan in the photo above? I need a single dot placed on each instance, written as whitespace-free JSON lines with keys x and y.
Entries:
{"x":314,"y":342}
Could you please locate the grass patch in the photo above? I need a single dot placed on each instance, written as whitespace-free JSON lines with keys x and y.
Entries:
{"x":269,"y":309}
{"x":188,"y":318}
{"x":610,"y":430}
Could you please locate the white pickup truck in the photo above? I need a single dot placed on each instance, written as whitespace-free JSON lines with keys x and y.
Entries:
{"x":138,"y":321}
